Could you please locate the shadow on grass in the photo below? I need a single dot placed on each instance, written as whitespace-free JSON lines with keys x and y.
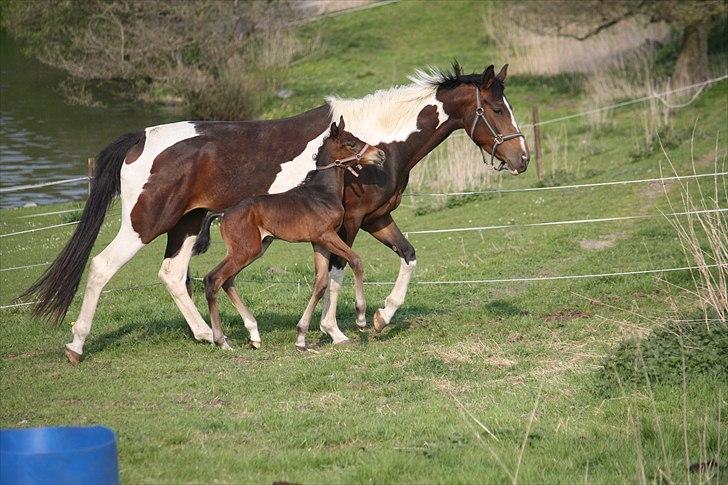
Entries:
{"x":163,"y":329}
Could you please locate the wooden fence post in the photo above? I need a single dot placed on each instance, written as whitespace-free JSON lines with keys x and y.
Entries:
{"x":537,"y":143}
{"x":91,"y":165}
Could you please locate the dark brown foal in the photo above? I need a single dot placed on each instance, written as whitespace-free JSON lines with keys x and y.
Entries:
{"x":312,"y":212}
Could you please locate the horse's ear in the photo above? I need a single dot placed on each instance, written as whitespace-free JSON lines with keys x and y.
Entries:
{"x":334,"y":131}
{"x":342,"y":125}
{"x":501,"y":76}
{"x":488,"y":75}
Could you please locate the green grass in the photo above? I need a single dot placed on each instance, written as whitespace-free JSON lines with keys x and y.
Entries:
{"x":392,"y":407}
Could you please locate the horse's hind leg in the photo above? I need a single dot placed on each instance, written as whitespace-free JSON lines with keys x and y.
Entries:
{"x":175,"y":270}
{"x":321,"y":265}
{"x":124,"y":246}
{"x":248,"y":319}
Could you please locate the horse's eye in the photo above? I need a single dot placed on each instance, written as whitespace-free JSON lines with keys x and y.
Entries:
{"x":497,"y":111}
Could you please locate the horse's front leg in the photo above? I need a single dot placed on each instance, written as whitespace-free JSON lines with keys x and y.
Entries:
{"x":329,"y":325}
{"x":385,"y":230}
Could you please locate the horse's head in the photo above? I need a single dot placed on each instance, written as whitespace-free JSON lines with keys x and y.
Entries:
{"x":342,"y":149}
{"x":488,"y":119}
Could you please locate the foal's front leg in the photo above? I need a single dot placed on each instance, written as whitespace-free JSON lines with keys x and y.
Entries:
{"x":321,"y":266}
{"x":226,"y":270}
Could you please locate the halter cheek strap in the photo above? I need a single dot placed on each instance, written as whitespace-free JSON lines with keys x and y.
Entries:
{"x":498,"y":138}
{"x":344,"y":161}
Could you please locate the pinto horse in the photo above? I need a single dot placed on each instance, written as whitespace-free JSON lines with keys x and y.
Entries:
{"x":169,"y":176}
{"x":311,"y":212}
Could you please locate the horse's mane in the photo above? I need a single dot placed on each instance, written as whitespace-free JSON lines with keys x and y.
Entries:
{"x":454,"y":78}
{"x":390,"y":114}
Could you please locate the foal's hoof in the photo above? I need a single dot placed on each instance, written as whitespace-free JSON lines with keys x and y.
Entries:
{"x":343,"y":343}
{"x":223,"y":344}
{"x":378,"y":322}
{"x":73,"y":357}
{"x":362,"y":327}
{"x":301,"y":348}
{"x":253,"y":344}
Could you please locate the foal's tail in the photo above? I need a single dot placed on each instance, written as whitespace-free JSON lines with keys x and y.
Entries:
{"x":55,"y":289}
{"x":202,"y":244}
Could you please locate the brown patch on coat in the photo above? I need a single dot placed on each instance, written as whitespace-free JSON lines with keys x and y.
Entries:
{"x":135,"y":152}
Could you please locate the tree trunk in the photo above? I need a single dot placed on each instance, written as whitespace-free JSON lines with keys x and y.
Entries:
{"x":692,"y":61}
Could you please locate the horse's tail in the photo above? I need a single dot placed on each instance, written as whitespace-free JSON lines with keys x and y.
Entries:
{"x":202,"y":244}
{"x":55,"y":289}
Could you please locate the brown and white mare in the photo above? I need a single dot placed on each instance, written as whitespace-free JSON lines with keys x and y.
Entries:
{"x":312,"y":212}
{"x":169,"y":176}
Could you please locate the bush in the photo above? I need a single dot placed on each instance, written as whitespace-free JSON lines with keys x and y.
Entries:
{"x":690,"y":349}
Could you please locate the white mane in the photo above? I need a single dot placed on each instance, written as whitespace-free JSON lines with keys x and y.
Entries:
{"x":390,"y":115}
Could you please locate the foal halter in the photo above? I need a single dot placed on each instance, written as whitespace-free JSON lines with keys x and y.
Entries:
{"x":342,"y":162}
{"x":498,"y":138}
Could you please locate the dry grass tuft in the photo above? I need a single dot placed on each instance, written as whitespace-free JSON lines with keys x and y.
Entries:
{"x":473,"y":351}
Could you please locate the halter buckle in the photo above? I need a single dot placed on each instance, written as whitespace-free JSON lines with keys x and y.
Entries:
{"x":479,"y":111}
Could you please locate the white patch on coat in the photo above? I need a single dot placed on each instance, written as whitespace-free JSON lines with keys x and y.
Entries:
{"x":513,"y":121}
{"x":294,"y":172}
{"x":134,"y":175}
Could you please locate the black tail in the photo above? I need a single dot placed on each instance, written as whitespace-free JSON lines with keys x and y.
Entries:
{"x":202,"y":244}
{"x":55,"y":289}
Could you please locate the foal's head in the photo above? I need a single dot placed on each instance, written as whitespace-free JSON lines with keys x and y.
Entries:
{"x":343,"y":150}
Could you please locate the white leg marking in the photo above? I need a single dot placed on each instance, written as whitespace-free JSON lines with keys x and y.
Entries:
{"x":173,"y":273}
{"x":331,"y":298}
{"x":124,"y":246}
{"x":515,"y":125}
{"x":248,"y":318}
{"x":396,"y":297}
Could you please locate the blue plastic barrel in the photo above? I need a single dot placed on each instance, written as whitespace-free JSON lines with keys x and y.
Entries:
{"x":73,"y":454}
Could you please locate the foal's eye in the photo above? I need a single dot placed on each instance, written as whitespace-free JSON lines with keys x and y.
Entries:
{"x":497,"y":111}
{"x":350,"y":144}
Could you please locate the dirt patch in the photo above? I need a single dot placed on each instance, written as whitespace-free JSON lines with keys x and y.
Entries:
{"x":602,"y":243}
{"x":566,"y":314}
{"x":474,"y":351}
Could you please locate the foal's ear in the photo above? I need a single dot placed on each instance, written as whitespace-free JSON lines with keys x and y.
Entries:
{"x":501,"y":76}
{"x":334,"y":131}
{"x":488,"y":75}
{"x":342,"y":125}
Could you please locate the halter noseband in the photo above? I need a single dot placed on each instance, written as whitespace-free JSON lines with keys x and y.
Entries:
{"x":498,"y":138}
{"x":342,"y":162}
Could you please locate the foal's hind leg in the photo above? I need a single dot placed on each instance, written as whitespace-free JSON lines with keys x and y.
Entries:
{"x":224,"y":271}
{"x":248,"y":319}
{"x":321,"y":266}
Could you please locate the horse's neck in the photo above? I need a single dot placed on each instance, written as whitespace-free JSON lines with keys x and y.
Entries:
{"x":419,"y":145}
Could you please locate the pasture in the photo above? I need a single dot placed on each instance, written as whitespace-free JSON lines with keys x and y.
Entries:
{"x":604,"y":380}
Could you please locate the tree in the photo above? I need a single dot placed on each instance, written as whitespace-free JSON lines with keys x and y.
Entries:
{"x":216,"y":56}
{"x":692,"y":19}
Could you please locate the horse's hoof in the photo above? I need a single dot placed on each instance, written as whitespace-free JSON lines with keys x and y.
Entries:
{"x":361,"y":327}
{"x":343,"y":343}
{"x":73,"y":357}
{"x":253,"y":344}
{"x":378,"y":322}
{"x":301,"y":348}
{"x":205,"y":337}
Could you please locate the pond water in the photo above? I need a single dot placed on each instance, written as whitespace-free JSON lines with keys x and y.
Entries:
{"x":43,"y":138}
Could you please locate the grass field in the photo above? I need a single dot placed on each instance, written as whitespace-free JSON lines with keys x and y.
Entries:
{"x":521,"y":382}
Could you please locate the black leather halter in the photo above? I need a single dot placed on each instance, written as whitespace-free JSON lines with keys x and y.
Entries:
{"x":498,"y":138}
